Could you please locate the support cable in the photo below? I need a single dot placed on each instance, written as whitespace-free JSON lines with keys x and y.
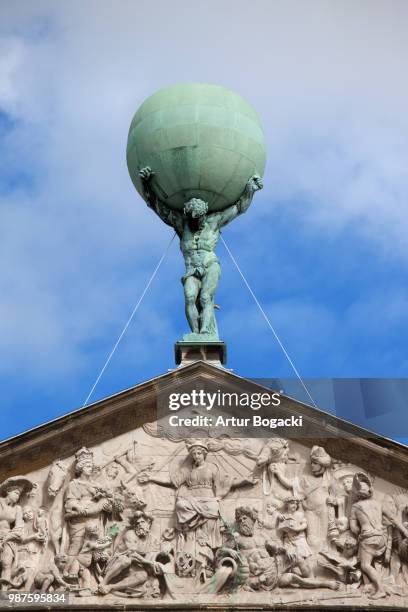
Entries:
{"x":129,"y":319}
{"x":268,"y":322}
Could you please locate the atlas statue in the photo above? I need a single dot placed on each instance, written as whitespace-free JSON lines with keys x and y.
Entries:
{"x":199,"y":232}
{"x":196,"y":154}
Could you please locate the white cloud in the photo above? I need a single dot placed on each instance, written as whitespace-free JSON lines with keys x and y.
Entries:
{"x":327,"y":79}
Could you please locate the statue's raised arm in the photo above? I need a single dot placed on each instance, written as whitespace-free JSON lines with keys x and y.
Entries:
{"x":222,"y":218}
{"x":171,"y":217}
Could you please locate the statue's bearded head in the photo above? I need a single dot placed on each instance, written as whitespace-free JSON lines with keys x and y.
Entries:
{"x":245,"y":519}
{"x":196,"y":208}
{"x":141,"y":523}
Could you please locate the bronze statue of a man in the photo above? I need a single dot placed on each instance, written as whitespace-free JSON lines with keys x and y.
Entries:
{"x":199,"y":233}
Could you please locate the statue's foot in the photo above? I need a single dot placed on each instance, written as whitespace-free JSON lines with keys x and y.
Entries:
{"x":393,"y":590}
{"x":200,"y":337}
{"x":104,"y":589}
{"x":334,"y":585}
{"x":378,"y":594}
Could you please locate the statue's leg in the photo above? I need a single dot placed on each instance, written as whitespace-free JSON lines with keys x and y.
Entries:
{"x":132,"y":581}
{"x":191,"y":289}
{"x":47,"y":583}
{"x":289,"y":579}
{"x":85,"y":581}
{"x":6,"y":559}
{"x":118,"y":566}
{"x":207,"y":293}
{"x":366,"y":559}
{"x":29,"y":581}
{"x":305,"y":569}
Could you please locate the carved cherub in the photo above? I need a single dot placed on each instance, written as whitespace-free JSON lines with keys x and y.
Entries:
{"x":31,"y":542}
{"x":271,"y":514}
{"x":41,"y":525}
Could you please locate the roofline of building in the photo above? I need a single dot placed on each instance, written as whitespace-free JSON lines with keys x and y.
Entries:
{"x":76,"y":413}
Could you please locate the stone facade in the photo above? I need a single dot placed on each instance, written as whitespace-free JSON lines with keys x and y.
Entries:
{"x":104,"y":505}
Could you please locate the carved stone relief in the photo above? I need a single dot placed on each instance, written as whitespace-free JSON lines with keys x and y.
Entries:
{"x":205,"y":520}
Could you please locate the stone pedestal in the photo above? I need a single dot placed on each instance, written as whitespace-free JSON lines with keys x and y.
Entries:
{"x":214,"y":353}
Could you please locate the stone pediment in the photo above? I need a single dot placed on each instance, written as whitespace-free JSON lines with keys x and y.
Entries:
{"x":114,"y":508}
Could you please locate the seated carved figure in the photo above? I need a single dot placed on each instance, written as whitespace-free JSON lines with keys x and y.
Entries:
{"x":49,"y":577}
{"x":11,"y":527}
{"x":133,"y":561}
{"x":263,"y":564}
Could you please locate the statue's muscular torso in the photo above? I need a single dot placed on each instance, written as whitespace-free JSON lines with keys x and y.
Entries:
{"x":198,"y":245}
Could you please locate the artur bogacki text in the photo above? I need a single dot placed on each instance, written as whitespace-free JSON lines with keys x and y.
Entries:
{"x":223,"y":421}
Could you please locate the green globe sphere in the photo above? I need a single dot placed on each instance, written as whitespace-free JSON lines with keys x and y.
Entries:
{"x":201,"y":141}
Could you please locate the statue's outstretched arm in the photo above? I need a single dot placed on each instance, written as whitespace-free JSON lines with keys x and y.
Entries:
{"x":162,"y":482}
{"x":254,"y":184}
{"x":171,"y":217}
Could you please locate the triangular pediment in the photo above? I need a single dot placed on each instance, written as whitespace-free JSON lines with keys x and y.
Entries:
{"x":137,"y":405}
{"x":105,"y":466}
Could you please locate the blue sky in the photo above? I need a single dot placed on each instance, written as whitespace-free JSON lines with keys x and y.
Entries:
{"x":324,"y":245}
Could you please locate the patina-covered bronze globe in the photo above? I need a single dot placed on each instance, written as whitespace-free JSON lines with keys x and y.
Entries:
{"x":202,"y":141}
